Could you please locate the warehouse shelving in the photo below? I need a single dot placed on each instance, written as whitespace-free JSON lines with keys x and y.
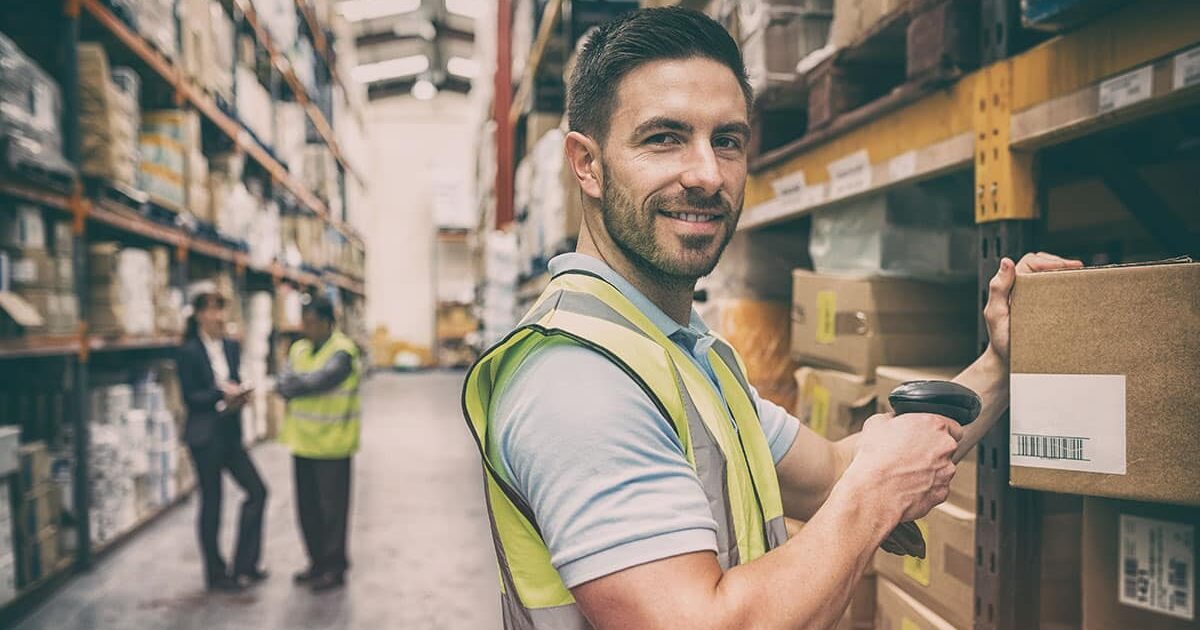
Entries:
{"x":551,"y":17}
{"x":1055,"y":96}
{"x":101,"y":215}
{"x":189,"y":93}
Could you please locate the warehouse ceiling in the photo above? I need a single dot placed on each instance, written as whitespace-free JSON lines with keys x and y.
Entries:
{"x":415,"y":47}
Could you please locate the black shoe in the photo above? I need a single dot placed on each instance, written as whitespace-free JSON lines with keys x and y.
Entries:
{"x":305,"y":576}
{"x":225,"y":584}
{"x":253,"y":577}
{"x":327,"y":581}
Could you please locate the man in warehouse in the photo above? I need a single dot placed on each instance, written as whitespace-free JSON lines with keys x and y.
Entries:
{"x":634,"y":478}
{"x":321,"y":427}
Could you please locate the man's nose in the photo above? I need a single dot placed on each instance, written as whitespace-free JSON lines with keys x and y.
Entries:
{"x":702,"y":173}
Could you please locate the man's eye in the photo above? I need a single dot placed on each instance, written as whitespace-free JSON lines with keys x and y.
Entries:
{"x":663,"y":138}
{"x":727,"y":142}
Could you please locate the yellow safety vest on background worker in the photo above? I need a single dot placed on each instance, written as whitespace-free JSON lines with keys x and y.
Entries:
{"x":731,"y":455}
{"x":326,"y":425}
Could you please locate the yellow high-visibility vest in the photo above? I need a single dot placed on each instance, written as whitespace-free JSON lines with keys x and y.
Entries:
{"x":722,"y":438}
{"x":326,"y":425}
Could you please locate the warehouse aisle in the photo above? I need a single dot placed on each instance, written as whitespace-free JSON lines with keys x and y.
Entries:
{"x":420,"y":545}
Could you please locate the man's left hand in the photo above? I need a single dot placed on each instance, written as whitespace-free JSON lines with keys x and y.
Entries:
{"x":1000,"y":291}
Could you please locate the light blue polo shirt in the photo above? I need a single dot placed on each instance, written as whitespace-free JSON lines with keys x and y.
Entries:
{"x":601,"y":467}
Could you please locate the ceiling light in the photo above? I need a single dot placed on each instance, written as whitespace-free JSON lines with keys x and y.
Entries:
{"x":390,"y":69}
{"x":424,"y":90}
{"x":466,"y":8}
{"x":359,"y":10}
{"x":463,"y":67}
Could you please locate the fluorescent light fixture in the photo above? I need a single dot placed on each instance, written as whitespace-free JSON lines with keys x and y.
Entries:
{"x":359,"y":10}
{"x":424,"y":90}
{"x":463,"y":67}
{"x":467,"y":8}
{"x":390,"y":69}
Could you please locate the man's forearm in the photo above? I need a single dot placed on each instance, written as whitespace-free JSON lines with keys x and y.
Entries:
{"x":988,"y":377}
{"x":809,"y":581}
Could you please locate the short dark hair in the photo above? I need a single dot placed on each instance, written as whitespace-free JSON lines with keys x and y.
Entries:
{"x":321,"y":307}
{"x":616,"y":48}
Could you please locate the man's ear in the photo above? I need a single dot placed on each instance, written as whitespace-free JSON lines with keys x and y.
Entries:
{"x":583,"y":154}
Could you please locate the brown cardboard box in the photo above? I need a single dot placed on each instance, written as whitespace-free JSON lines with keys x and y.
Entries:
{"x":759,"y":331}
{"x":856,"y":324}
{"x":945,"y":580}
{"x":1106,"y":382}
{"x":833,"y":404}
{"x":1139,"y":551}
{"x":1061,"y":596}
{"x":897,"y":610}
{"x":887,"y":378}
{"x":860,"y":614}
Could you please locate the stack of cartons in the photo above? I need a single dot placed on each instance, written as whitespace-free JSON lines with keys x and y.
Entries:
{"x":120,"y":290}
{"x":41,"y":270}
{"x":776,"y":35}
{"x":9,"y":445}
{"x":111,"y":479}
{"x":108,"y":118}
{"x":37,"y":516}
{"x":168,"y":301}
{"x":174,"y":171}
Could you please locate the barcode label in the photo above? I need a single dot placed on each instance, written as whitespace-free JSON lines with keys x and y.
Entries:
{"x":1069,"y":422}
{"x":1157,"y":566}
{"x":1050,"y":447}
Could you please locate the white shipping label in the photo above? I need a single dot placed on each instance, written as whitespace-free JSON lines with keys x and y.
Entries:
{"x":788,"y":185}
{"x":903,"y":166}
{"x":1157,"y":566}
{"x":1187,"y":69}
{"x":1069,"y":422}
{"x":1127,"y":89}
{"x":849,"y":175}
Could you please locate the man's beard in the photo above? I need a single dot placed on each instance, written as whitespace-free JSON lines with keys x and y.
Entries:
{"x":633,"y":231}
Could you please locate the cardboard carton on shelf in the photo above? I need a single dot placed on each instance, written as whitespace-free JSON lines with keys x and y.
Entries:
{"x":833,"y":404}
{"x":897,"y":610}
{"x":1140,"y":566}
{"x":963,"y":488}
{"x":944,"y":581}
{"x":758,"y":330}
{"x":1106,"y":382}
{"x":855,"y":323}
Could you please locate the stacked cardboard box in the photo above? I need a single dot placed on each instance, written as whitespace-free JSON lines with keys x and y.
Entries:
{"x":121,"y":290}
{"x":256,"y":349}
{"x":39,"y":270}
{"x":174,"y":171}
{"x":320,"y":175}
{"x":776,"y":35}
{"x":168,"y":300}
{"x":255,"y":107}
{"x":30,"y":113}
{"x":109,"y":116}
{"x":38,"y":513}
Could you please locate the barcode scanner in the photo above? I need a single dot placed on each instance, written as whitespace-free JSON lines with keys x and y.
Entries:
{"x":943,"y":398}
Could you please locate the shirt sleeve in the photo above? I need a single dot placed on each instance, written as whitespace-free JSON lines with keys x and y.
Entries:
{"x":290,"y":384}
{"x":601,"y":467}
{"x":778,"y":425}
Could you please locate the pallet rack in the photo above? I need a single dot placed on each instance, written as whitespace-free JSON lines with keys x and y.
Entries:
{"x":89,"y":214}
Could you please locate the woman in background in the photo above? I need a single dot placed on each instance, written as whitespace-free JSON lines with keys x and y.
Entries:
{"x":214,"y":397}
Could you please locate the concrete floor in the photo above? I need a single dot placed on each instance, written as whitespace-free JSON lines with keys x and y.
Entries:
{"x":420,"y":546}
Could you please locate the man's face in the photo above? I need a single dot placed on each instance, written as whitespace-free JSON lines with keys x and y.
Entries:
{"x":674,"y":166}
{"x":313,"y":327}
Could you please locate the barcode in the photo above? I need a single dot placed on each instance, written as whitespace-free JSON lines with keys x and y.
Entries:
{"x":1177,"y":575}
{"x":1131,"y":582}
{"x":1050,"y":447}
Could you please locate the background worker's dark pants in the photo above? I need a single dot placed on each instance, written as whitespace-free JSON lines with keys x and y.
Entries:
{"x":323,"y":504}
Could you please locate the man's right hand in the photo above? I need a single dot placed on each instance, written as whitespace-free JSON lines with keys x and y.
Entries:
{"x":907,"y":461}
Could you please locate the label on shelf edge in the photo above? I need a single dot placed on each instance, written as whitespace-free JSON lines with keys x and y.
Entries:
{"x":1156,"y":563}
{"x":1068,"y":422}
{"x":788,"y":185}
{"x":850,"y":174}
{"x":1126,"y":89}
{"x":812,"y":195}
{"x":1187,"y":69}
{"x":903,"y":166}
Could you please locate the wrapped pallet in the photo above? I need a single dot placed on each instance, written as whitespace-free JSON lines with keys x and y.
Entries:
{"x":108,"y":118}
{"x":30,"y":114}
{"x":121,"y":290}
{"x":254,"y":105}
{"x":222,"y":62}
{"x":174,"y":168}
{"x":157,"y":24}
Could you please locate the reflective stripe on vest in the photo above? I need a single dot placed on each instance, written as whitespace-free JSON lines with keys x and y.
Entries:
{"x":719,"y":430}
{"x":324,"y":426}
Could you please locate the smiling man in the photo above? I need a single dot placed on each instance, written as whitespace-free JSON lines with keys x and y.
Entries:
{"x":634,"y":478}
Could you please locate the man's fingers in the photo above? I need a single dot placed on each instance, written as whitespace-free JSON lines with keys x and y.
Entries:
{"x":1043,"y":261}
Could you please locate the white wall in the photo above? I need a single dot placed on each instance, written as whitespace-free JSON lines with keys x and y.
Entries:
{"x":407,"y":138}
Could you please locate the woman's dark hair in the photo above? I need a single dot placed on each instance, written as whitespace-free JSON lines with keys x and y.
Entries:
{"x":616,"y":48}
{"x":202,"y":301}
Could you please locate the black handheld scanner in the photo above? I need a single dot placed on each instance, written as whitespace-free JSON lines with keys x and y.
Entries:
{"x":943,"y":398}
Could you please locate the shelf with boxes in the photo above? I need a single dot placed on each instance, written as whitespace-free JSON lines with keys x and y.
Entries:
{"x":188,"y":91}
{"x":1144,"y":65}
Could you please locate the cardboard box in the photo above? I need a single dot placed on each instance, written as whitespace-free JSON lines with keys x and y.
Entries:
{"x":944,"y":581}
{"x":860,"y":614}
{"x":964,"y":487}
{"x":35,"y":465}
{"x":897,"y":610}
{"x":1139,"y":566}
{"x":856,"y":324}
{"x":833,"y":404}
{"x":34,"y":269}
{"x":759,"y":331}
{"x":1104,"y":393}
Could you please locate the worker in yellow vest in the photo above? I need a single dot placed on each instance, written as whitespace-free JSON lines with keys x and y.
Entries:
{"x":321,"y":427}
{"x":634,"y":477}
